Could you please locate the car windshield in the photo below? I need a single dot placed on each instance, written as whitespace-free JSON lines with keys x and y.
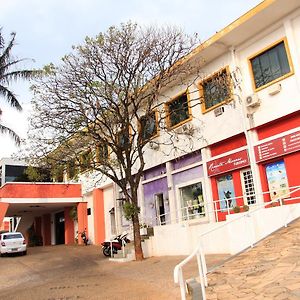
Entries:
{"x":12,"y":236}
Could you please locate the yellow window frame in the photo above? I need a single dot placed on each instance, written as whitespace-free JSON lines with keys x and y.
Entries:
{"x":287,"y":50}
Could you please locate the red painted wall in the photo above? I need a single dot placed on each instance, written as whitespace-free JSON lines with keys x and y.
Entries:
{"x":69,"y":227}
{"x":238,"y":191}
{"x":99,"y":221}
{"x":36,"y":190}
{"x":228,"y":145}
{"x":46,"y":233}
{"x":82,"y":220}
{"x":279,"y":126}
{"x":292,"y":166}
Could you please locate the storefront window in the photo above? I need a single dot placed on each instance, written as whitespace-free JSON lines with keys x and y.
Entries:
{"x":277,"y":180}
{"x":192,"y":202}
{"x":226,"y":192}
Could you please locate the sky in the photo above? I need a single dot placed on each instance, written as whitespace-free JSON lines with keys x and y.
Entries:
{"x":47,"y":29}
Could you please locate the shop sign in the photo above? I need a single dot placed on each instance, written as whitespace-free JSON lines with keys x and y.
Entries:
{"x":287,"y":144}
{"x":228,"y":163}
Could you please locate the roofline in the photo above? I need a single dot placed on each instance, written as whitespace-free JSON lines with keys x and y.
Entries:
{"x":233,"y":25}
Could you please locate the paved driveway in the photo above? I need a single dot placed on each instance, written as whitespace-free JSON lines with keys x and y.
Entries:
{"x":80,"y":272}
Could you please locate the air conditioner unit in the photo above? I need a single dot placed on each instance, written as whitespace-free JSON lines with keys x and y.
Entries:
{"x":252,"y":100}
{"x":219,"y":111}
{"x":153,"y":145}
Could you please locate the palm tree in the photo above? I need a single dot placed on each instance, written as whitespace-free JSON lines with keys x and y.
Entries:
{"x":9,"y":73}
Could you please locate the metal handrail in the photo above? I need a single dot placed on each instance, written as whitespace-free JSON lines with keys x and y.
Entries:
{"x":155,"y":220}
{"x":198,"y":252}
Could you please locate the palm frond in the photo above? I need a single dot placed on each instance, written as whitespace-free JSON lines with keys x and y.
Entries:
{"x":10,"y":98}
{"x":6,"y":54}
{"x":23,"y":74}
{"x":11,"y":133}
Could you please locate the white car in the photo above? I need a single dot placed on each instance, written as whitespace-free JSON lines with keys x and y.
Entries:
{"x":12,"y":242}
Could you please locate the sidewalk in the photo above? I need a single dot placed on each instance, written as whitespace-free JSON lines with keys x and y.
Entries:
{"x":270,"y":270}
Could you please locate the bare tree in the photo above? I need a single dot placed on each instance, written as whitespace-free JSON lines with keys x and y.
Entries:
{"x":104,"y":96}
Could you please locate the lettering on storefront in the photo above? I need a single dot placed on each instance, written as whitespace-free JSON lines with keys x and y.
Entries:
{"x":228,"y":163}
{"x":287,"y":144}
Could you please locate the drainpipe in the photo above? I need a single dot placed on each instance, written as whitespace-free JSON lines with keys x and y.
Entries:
{"x":248,"y":134}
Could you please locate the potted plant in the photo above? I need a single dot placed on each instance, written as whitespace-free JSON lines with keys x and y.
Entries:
{"x":236,"y":209}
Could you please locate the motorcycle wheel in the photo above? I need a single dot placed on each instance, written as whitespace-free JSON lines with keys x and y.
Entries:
{"x":106,"y":251}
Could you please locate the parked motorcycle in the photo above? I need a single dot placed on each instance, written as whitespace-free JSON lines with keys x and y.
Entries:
{"x":116,"y":244}
{"x":83,"y":236}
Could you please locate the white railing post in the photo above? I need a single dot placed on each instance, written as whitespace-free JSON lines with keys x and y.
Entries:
{"x":201,"y":275}
{"x":203,"y":263}
{"x":111,"y":249}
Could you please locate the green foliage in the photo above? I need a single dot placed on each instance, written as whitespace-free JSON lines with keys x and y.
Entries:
{"x":57,"y":172}
{"x":130,"y":209}
{"x":236,"y":209}
{"x":35,"y":175}
{"x":245,"y":207}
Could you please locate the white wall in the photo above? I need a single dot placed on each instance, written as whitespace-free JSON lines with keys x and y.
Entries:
{"x":182,"y":239}
{"x":108,"y":196}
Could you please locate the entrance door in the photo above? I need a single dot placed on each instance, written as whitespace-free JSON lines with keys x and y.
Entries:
{"x":60,"y":228}
{"x":160,"y":208}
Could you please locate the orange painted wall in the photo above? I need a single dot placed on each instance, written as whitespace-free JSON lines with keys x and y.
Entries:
{"x":82,"y":220}
{"x":46,"y":233}
{"x":36,"y":190}
{"x":3,"y":210}
{"x":99,"y":221}
{"x":69,"y":227}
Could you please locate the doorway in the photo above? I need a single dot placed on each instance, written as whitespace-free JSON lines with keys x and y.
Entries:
{"x":160,"y":209}
{"x":59,"y":228}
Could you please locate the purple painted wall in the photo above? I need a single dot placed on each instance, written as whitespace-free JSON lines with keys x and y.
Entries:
{"x":150,"y":190}
{"x":156,"y":171}
{"x":186,"y":160}
{"x":188,"y":175}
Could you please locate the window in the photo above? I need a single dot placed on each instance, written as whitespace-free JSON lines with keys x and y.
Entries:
{"x":85,"y":160}
{"x":277,"y":180}
{"x":123,"y":138}
{"x":271,"y":64}
{"x":102,"y":152}
{"x":178,"y":110}
{"x":226,"y":192}
{"x":216,"y":89}
{"x":192,"y":201}
{"x":148,"y":126}
{"x":71,"y":169}
{"x":248,"y":186}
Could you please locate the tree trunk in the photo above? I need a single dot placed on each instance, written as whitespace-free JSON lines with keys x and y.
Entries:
{"x":137,"y":238}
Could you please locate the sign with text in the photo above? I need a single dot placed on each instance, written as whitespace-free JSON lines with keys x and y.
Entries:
{"x":228,"y":163}
{"x":284,"y":145}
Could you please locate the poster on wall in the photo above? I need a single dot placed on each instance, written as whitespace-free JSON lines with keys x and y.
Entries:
{"x":226,"y":192}
{"x":277,"y":180}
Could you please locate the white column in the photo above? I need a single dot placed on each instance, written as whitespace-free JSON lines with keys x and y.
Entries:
{"x":208,"y":196}
{"x":289,"y":32}
{"x":171,"y":193}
